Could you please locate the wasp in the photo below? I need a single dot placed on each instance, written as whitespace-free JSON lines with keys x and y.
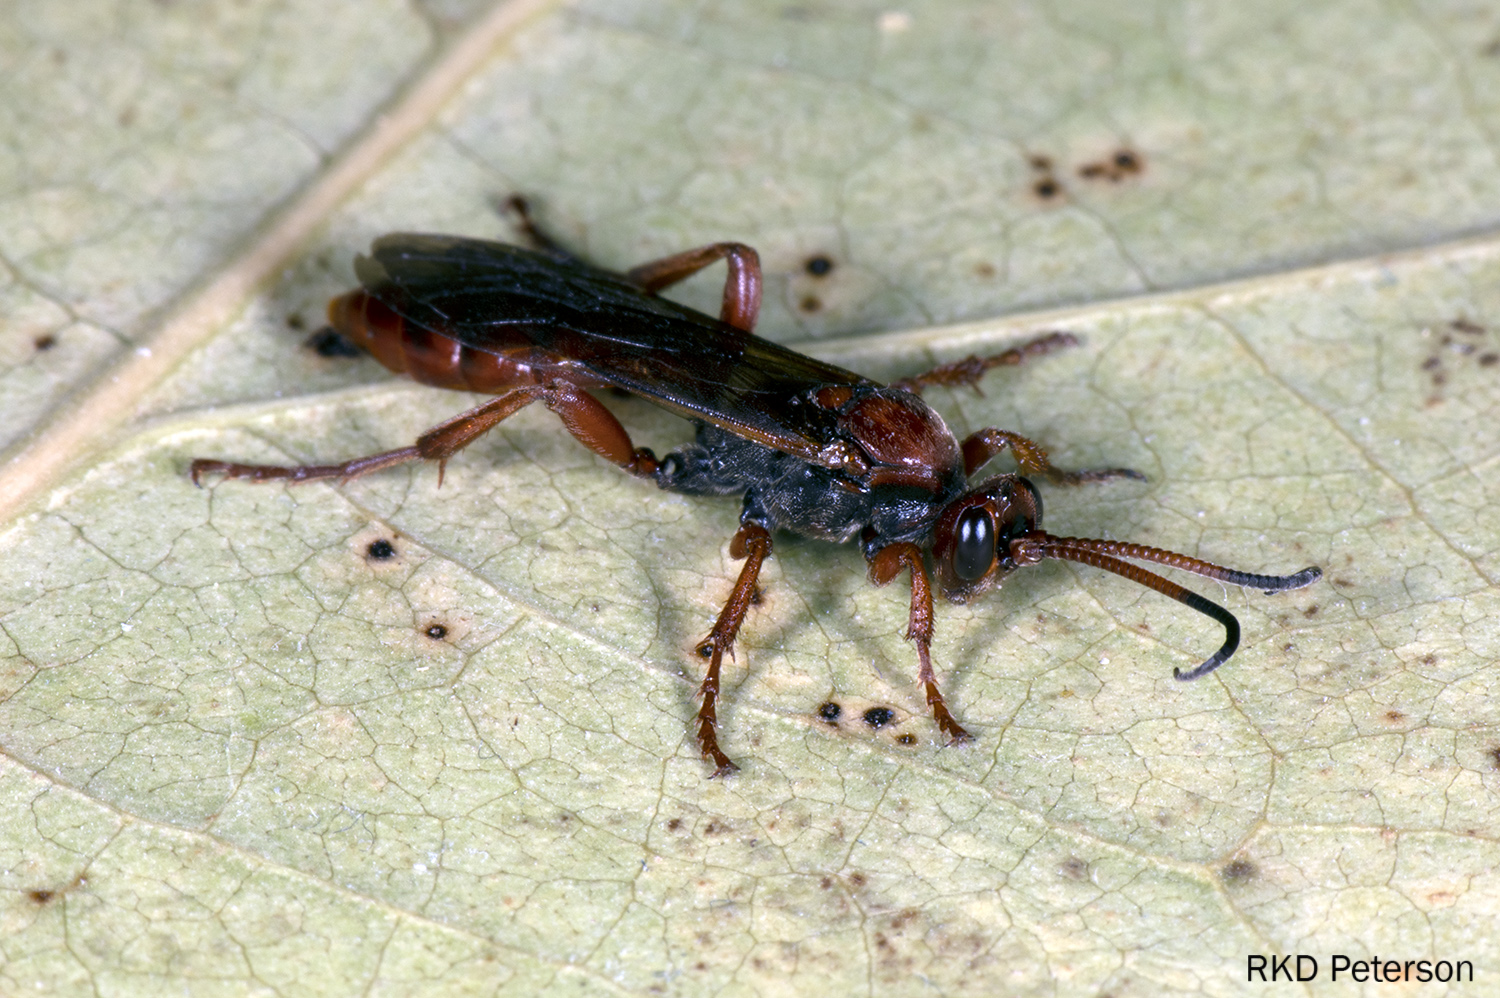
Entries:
{"x":810,"y":448}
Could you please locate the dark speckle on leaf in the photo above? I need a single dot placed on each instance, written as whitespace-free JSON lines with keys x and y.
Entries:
{"x":829,"y":711}
{"x":381,"y":550}
{"x":1238,"y":870}
{"x":819,"y":266}
{"x":437,"y":632}
{"x":879,"y":717}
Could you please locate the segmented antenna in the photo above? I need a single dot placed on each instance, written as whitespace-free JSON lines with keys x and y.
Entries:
{"x":1107,"y":554}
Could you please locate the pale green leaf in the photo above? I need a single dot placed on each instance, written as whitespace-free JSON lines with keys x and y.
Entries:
{"x":242,"y":756}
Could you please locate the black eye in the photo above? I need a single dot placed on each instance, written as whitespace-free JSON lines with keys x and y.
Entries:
{"x":974,"y":549}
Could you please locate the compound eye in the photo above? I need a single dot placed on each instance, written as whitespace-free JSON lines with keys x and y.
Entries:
{"x":974,"y":547}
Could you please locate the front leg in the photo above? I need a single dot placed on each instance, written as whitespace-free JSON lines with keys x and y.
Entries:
{"x":885,"y":565}
{"x":980,"y":447}
{"x":753,"y":543}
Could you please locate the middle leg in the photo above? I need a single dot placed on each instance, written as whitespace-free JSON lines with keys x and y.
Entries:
{"x":980,"y":447}
{"x":967,"y":372}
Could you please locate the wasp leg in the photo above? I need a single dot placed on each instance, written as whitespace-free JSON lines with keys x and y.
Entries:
{"x":980,"y":447}
{"x":741,"y":288}
{"x":885,"y":565}
{"x":534,"y":233}
{"x":752,"y":543}
{"x":586,"y":418}
{"x":437,"y":444}
{"x":596,"y":428}
{"x":741,"y":303}
{"x":967,"y":372}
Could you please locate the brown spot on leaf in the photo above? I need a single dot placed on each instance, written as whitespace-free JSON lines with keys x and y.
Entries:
{"x":1238,"y":870}
{"x":904,"y":917}
{"x":1121,"y":164}
{"x":1128,"y":161}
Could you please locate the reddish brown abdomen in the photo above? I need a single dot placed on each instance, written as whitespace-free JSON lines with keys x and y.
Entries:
{"x":425,"y":356}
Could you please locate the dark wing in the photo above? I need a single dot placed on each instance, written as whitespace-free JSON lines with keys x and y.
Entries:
{"x":493,"y":296}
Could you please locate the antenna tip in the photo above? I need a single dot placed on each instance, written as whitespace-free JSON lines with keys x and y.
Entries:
{"x":1300,"y":580}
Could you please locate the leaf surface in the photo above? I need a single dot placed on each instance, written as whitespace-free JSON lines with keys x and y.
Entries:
{"x":246,"y":752}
